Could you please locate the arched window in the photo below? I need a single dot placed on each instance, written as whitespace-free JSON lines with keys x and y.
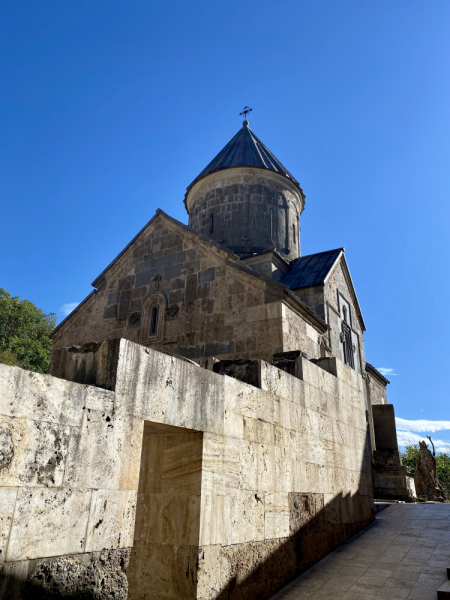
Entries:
{"x":153,"y":322}
{"x":293,"y":234}
{"x":211,"y":228}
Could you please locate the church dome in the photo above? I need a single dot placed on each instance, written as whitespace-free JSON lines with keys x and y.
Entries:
{"x":244,"y":150}
{"x":247,"y":200}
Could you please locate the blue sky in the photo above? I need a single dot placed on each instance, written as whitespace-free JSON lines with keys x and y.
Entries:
{"x":110,"y":109}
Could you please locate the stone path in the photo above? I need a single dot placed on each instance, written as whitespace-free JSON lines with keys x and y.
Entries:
{"x":403,"y":555}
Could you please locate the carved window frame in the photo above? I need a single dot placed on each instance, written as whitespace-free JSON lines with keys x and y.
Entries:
{"x":348,"y":346}
{"x":156,"y":301}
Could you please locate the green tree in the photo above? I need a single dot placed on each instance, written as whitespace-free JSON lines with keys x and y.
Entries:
{"x":24,"y":334}
{"x":443,"y":469}
{"x":410,"y":458}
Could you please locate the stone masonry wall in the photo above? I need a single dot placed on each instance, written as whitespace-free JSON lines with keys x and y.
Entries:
{"x":69,"y":469}
{"x":208,"y":308}
{"x":377,"y":391}
{"x":285,"y":478}
{"x":323,"y":299}
{"x":248,"y":210}
{"x":337,"y":284}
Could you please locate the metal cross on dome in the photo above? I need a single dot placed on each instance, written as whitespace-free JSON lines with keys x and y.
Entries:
{"x":245,"y":112}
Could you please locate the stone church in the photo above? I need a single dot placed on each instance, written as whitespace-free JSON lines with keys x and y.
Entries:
{"x":233,"y":283}
{"x":211,"y":427}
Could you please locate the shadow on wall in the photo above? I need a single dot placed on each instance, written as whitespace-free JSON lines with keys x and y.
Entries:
{"x":181,"y":569}
{"x":167,"y":562}
{"x":260,"y":569}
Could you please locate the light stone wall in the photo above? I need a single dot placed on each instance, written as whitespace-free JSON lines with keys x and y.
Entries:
{"x":285,"y":474}
{"x":69,"y":470}
{"x":377,"y":391}
{"x":298,"y":334}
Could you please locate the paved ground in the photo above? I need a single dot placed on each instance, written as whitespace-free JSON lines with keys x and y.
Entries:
{"x":403,"y":555}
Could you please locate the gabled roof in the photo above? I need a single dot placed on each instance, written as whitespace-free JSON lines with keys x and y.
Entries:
{"x":245,"y":150}
{"x":314,"y":269}
{"x":311,"y":270}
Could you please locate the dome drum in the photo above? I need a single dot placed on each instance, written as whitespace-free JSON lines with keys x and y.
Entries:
{"x":247,"y":200}
{"x":248,"y":210}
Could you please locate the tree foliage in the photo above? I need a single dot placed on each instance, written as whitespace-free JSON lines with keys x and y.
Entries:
{"x":24,"y":334}
{"x":410,"y":458}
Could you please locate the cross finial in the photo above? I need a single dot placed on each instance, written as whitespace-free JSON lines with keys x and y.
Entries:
{"x":244,"y":113}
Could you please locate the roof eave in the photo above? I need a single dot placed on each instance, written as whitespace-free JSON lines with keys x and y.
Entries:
{"x":351,"y":287}
{"x":376,"y":374}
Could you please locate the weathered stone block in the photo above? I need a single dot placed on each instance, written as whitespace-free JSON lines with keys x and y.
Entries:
{"x":48,"y":523}
{"x":207,"y":275}
{"x":7,"y":502}
{"x":38,"y":452}
{"x":100,"y":575}
{"x":384,"y":426}
{"x":111,"y":520}
{"x":248,"y":371}
{"x":92,"y":364}
{"x":63,"y":400}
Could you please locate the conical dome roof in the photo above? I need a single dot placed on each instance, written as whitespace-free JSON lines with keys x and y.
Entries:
{"x":245,"y":150}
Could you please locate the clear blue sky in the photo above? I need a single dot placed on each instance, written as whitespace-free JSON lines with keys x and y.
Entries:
{"x":110,"y":109}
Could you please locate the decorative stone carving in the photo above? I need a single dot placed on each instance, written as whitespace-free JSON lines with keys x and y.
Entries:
{"x":135,"y":317}
{"x":157,"y":280}
{"x":172,"y":310}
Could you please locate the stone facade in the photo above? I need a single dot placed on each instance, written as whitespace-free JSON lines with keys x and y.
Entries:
{"x":248,"y":210}
{"x":210,"y":487}
{"x":210,"y":303}
{"x":329,"y":300}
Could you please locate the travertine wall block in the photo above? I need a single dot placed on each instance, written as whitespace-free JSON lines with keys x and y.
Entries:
{"x":48,"y":522}
{"x":212,"y":485}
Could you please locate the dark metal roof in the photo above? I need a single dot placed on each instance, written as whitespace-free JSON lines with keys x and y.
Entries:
{"x":311,"y":270}
{"x":245,"y":150}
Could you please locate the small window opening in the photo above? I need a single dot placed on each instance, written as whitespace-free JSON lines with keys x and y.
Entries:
{"x":294,"y":238}
{"x":211,"y":230}
{"x":154,"y":320}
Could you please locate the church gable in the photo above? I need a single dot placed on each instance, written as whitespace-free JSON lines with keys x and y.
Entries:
{"x":164,"y":261}
{"x":344,"y":316}
{"x":323,"y":282}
